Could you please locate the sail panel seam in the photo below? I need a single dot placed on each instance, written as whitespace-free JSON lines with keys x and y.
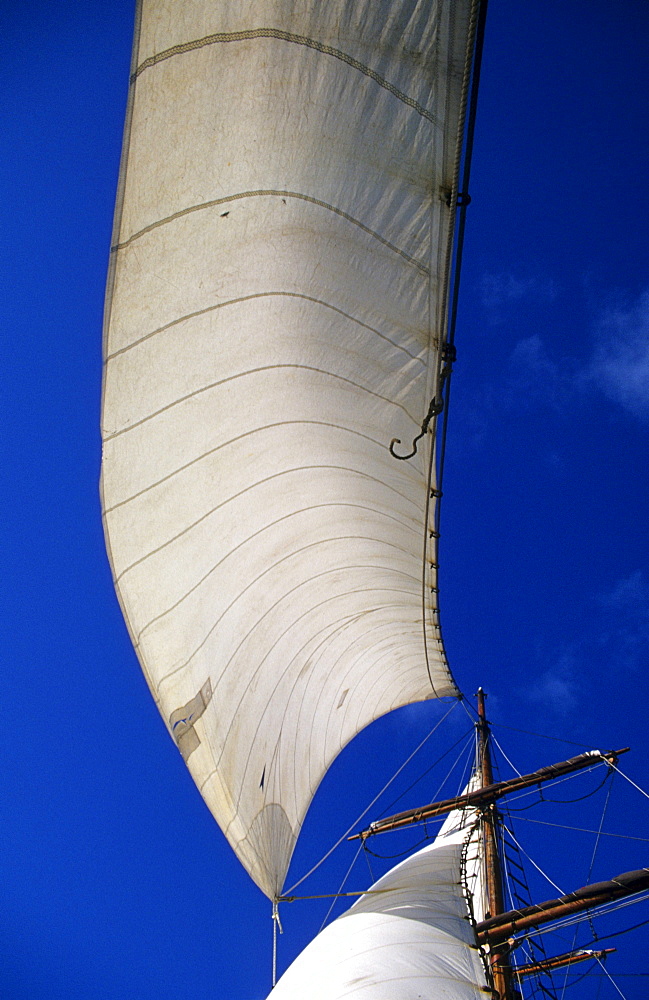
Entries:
{"x":270,"y":193}
{"x":332,"y":628}
{"x":273,"y":566}
{"x":234,"y":440}
{"x":240,"y":437}
{"x":279,"y":34}
{"x":335,"y":626}
{"x":288,"y":593}
{"x":242,"y":493}
{"x":253,"y":371}
{"x":263,"y":295}
{"x":328,"y":633}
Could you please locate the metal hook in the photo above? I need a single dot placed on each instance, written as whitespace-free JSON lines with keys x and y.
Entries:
{"x":435,"y":408}
{"x":403,"y":458}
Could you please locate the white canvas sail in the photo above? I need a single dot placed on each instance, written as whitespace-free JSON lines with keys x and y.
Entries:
{"x":275,"y":313}
{"x":409,"y":937}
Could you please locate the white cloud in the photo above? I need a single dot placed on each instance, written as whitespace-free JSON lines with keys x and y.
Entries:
{"x":556,"y":688}
{"x":535,"y":378}
{"x":631,"y":592}
{"x":531,"y":363}
{"x":501,"y":289}
{"x":627,"y":605}
{"x":619,"y":366}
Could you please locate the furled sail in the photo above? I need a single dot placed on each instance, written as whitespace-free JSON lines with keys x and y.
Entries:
{"x":275,"y":315}
{"x":410,"y":936}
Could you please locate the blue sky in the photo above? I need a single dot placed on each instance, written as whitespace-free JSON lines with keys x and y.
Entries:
{"x":115,"y":880}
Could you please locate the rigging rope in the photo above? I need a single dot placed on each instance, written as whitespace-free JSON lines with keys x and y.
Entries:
{"x":367,"y":859}
{"x":588,"y":878}
{"x":610,"y":978}
{"x":626,"y":777}
{"x":374,"y":800}
{"x":627,"y":930}
{"x":399,"y":854}
{"x":497,"y":744}
{"x":446,"y":776}
{"x":581,"y":829}
{"x":569,"y":921}
{"x":558,"y":781}
{"x":533,"y":862}
{"x":392,"y":804}
{"x":543,"y":736}
{"x":340,"y":889}
{"x":463,"y":201}
{"x":276,"y":924}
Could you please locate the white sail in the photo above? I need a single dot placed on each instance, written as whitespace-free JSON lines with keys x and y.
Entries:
{"x":275,"y":312}
{"x":409,"y":937}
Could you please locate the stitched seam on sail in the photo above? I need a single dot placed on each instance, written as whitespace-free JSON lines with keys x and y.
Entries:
{"x":287,"y":36}
{"x":288,"y":593}
{"x":253,"y":371}
{"x":394,"y":635}
{"x":249,"y":537}
{"x":324,"y":635}
{"x":329,"y":632}
{"x":240,"y":437}
{"x":241,"y":493}
{"x":263,"y":295}
{"x":270,"y":193}
{"x":292,"y":625}
{"x":367,"y":651}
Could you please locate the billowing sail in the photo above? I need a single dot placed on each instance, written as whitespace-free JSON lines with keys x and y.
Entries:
{"x":275,"y":316}
{"x":410,"y":936}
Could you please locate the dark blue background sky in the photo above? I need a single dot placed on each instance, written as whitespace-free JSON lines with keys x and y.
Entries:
{"x":116,"y":882}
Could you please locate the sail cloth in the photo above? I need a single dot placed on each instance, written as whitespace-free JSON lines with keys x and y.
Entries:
{"x":275,"y":309}
{"x":410,"y":936}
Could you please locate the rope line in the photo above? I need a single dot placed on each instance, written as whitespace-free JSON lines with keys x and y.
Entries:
{"x":533,"y":862}
{"x":462,"y":739}
{"x":610,"y":978}
{"x":581,"y":829}
{"x":470,"y":79}
{"x":276,"y":924}
{"x":340,"y":889}
{"x":374,"y":800}
{"x":340,"y":895}
{"x":504,"y":755}
{"x":627,"y":930}
{"x":544,"y":736}
{"x":626,"y":778}
{"x":599,"y":911}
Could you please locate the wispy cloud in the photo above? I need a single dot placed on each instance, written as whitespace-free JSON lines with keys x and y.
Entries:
{"x":500,"y":290}
{"x":535,"y":377}
{"x":627,"y":628}
{"x":616,"y":365}
{"x":631,"y":592}
{"x":616,"y":632}
{"x":557,"y":688}
{"x":619,"y":366}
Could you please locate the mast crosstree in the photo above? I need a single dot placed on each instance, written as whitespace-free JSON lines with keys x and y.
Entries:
{"x":495,"y":933}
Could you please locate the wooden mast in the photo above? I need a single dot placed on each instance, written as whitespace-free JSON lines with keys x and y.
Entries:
{"x":499,"y":956}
